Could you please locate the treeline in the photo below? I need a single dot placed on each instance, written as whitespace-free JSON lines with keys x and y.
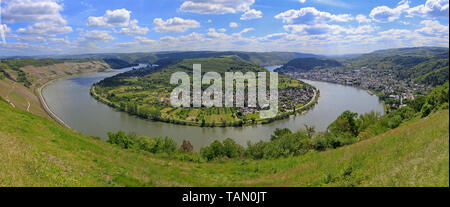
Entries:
{"x":118,"y":64}
{"x":347,"y":129}
{"x":307,"y":64}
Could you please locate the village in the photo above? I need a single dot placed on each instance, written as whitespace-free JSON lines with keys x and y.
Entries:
{"x":391,"y":90}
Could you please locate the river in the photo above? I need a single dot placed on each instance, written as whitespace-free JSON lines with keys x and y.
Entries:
{"x":70,"y":100}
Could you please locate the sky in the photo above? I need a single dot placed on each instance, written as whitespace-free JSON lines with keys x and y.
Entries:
{"x":329,"y":27}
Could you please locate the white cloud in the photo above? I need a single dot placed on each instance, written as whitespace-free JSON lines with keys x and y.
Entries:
{"x":431,"y":9}
{"x":45,"y":14}
{"x":362,"y":19}
{"x":90,"y":39}
{"x":310,"y":16}
{"x":47,"y":28}
{"x":98,"y":35}
{"x":322,"y":29}
{"x":59,"y":40}
{"x":335,"y":3}
{"x":386,"y":14}
{"x":233,"y":24}
{"x":222,"y":30}
{"x":243,"y":31}
{"x":272,"y":37}
{"x":433,"y":28}
{"x":144,"y":40}
{"x":216,"y":34}
{"x":251,"y":14}
{"x":116,"y":18}
{"x":216,"y":6}
{"x":133,"y":29}
{"x":175,"y":24}
{"x":318,"y":29}
{"x":31,"y":11}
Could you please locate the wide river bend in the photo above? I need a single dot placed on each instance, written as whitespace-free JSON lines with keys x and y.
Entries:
{"x":70,"y":100}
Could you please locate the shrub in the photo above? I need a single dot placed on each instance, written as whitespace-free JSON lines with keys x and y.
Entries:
{"x":346,"y":122}
{"x":326,"y":141}
{"x":214,"y":151}
{"x":169,"y":145}
{"x":146,"y":144}
{"x":231,"y":148}
{"x":186,"y":146}
{"x":155,"y":145}
{"x":278,"y":133}
{"x":426,"y":110}
{"x":120,"y":138}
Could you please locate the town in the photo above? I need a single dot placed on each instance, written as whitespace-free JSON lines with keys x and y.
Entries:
{"x":394,"y":92}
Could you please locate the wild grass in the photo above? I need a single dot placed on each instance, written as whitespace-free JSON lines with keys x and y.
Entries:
{"x":38,"y":152}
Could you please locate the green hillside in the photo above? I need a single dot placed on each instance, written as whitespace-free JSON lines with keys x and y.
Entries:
{"x":146,"y":93}
{"x":259,"y":58}
{"x":38,"y":152}
{"x":425,"y":65}
{"x":307,"y":64}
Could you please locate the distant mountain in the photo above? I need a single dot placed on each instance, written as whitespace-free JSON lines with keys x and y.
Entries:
{"x":425,"y":65}
{"x":259,"y":58}
{"x":117,"y":63}
{"x":400,"y":58}
{"x":307,"y":64}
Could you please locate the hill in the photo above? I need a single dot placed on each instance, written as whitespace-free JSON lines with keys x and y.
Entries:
{"x":258,"y":58}
{"x":146,"y":93}
{"x":307,"y":64}
{"x":38,"y":152}
{"x":425,"y":65}
{"x":21,"y":78}
{"x":117,"y":63}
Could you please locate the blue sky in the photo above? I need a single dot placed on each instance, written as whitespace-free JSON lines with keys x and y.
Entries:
{"x":41,"y":27}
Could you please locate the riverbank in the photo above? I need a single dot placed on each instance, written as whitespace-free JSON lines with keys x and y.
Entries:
{"x":27,"y":95}
{"x":43,"y":102}
{"x":71,"y":100}
{"x":280,"y":116}
{"x":65,"y":158}
{"x":45,"y":106}
{"x":372,"y":93}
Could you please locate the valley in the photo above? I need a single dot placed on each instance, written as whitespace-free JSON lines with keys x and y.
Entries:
{"x":328,"y":145}
{"x":146,"y":93}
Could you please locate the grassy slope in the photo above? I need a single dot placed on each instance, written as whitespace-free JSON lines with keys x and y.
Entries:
{"x":38,"y":74}
{"x":38,"y":152}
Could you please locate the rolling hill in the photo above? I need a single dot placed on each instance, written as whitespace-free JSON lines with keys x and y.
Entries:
{"x":307,"y":64}
{"x":425,"y":65}
{"x":258,"y":58}
{"x":38,"y":152}
{"x":146,"y":93}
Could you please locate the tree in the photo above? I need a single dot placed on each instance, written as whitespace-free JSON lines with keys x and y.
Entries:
{"x":187,"y":146}
{"x":215,"y":150}
{"x":120,"y":138}
{"x":310,"y":130}
{"x":345,"y":123}
{"x":231,"y":148}
{"x":278,"y":133}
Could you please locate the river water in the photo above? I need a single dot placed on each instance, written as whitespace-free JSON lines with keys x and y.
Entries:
{"x":71,"y":101}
